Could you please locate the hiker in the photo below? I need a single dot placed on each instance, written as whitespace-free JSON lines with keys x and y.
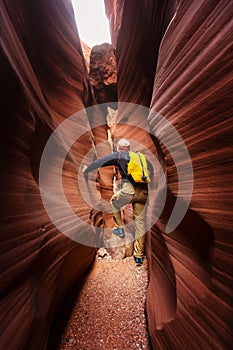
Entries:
{"x":135,"y":171}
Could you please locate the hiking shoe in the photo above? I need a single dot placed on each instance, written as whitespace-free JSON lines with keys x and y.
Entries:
{"x":119,"y":232}
{"x":139,"y":261}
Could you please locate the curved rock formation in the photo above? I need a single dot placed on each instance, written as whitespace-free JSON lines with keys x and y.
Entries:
{"x":42,"y":83}
{"x":190,"y":269}
{"x":174,"y":59}
{"x":191,"y":90}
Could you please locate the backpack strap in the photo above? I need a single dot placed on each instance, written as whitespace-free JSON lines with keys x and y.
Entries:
{"x":143,"y":172}
{"x":127,"y":161}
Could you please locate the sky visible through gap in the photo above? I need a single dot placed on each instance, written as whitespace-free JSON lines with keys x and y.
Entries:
{"x":92,"y":23}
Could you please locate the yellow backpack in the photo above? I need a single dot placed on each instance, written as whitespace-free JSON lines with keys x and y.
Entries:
{"x":137,"y":167}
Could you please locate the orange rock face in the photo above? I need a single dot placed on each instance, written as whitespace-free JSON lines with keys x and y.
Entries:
{"x":175,"y":59}
{"x":42,"y":84}
{"x":190,"y":269}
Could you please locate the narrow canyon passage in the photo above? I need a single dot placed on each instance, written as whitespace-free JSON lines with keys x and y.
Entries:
{"x":109,"y":312}
{"x":165,"y":84}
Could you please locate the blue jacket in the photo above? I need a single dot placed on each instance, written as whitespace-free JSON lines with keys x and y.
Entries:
{"x":120,"y":160}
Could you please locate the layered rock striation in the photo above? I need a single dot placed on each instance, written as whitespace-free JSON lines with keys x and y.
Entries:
{"x":43,"y":82}
{"x":189,"y":302}
{"x":174,"y":61}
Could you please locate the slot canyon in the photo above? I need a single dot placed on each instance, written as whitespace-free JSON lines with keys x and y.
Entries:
{"x":165,"y":83}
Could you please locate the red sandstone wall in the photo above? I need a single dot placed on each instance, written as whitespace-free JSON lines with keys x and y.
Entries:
{"x":42,"y":83}
{"x":193,"y":91}
{"x":191,"y":268}
{"x":137,"y":47}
